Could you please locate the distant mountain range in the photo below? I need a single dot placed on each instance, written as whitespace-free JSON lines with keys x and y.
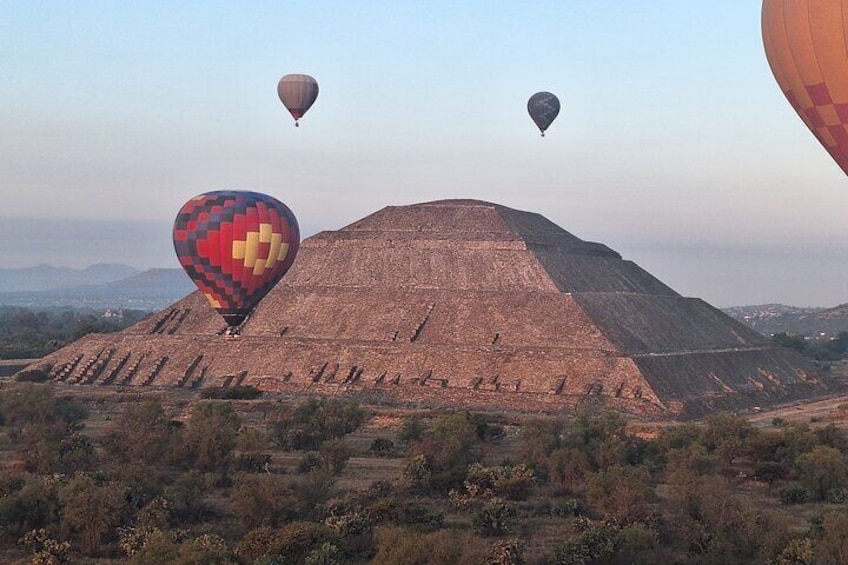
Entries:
{"x":46,"y":277}
{"x":105,"y":286}
{"x":770,"y":319}
{"x":99,"y":286}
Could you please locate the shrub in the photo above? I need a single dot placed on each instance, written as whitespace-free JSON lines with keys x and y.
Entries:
{"x":495,"y":518}
{"x":728,"y":435}
{"x":253,"y":462}
{"x":797,"y":552}
{"x":837,"y":496}
{"x":262,"y":500}
{"x":32,"y":506}
{"x":822,"y":469}
{"x":311,"y":423}
{"x":507,"y":552}
{"x":327,"y":554}
{"x":444,"y":452}
{"x":830,"y":547}
{"x":511,"y":482}
{"x":793,"y":494}
{"x":210,"y":438}
{"x":352,"y":523}
{"x":406,"y":513}
{"x":290,"y":544}
{"x":382,"y":446}
{"x":769,"y":471}
{"x":421,"y":515}
{"x":45,"y":550}
{"x":207,"y":549}
{"x":412,"y":429}
{"x":417,"y":472}
{"x":636,"y":544}
{"x":540,"y":438}
{"x":32,"y":376}
{"x":622,"y":492}
{"x":89,"y":509}
{"x":567,"y":508}
{"x":239,"y":392}
{"x":410,"y":547}
{"x":334,"y":456}
{"x":310,"y":461}
{"x":592,"y":546}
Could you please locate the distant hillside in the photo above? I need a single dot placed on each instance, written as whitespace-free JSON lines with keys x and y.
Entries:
{"x":770,"y":319}
{"x":153,"y":283}
{"x":46,"y":277}
{"x":148,"y":290}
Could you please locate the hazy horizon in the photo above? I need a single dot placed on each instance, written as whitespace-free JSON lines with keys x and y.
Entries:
{"x":806,"y":277}
{"x":674,"y":146}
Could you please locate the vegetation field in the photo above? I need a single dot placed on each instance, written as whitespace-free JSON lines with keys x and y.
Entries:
{"x":230,"y":476}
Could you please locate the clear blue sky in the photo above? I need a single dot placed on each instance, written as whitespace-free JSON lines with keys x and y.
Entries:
{"x":674,"y":146}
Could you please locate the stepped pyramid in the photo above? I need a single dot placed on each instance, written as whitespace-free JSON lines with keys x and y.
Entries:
{"x":460,"y":303}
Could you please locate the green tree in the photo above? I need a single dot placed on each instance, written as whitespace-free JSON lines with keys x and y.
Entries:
{"x":38,"y":423}
{"x":33,"y":505}
{"x":89,"y":510}
{"x":334,"y":455}
{"x":728,"y":436}
{"x":495,"y":518}
{"x":821,"y":470}
{"x":792,"y":341}
{"x":308,"y":424}
{"x":141,"y":434}
{"x":291,"y":543}
{"x":832,"y":546}
{"x":594,"y":545}
{"x":622,"y":492}
{"x":447,"y":449}
{"x":262,"y":500}
{"x":509,"y":481}
{"x":209,"y":438}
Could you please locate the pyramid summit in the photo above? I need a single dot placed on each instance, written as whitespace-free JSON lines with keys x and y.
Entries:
{"x":460,"y":303}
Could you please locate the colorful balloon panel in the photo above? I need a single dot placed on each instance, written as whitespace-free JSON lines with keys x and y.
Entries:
{"x":297,"y":93}
{"x":543,"y":108}
{"x":806,"y":47}
{"x":235,"y":246}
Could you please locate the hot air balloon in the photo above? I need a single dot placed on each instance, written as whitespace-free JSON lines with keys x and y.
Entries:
{"x":543,"y":108}
{"x":806,"y":46}
{"x":235,"y":246}
{"x":297,"y":93}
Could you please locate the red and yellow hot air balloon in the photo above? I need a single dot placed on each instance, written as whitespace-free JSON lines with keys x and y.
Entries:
{"x":807,"y":49}
{"x":235,"y":246}
{"x":297,"y":92}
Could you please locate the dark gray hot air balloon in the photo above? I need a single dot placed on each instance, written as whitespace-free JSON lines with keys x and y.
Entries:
{"x":543,"y":108}
{"x":297,"y":93}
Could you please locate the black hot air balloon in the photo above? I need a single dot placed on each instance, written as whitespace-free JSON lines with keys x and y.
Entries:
{"x":235,"y":246}
{"x":297,"y":93}
{"x":543,"y":108}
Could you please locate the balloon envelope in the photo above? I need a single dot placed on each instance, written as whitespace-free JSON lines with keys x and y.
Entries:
{"x":806,"y":47}
{"x":543,"y":107}
{"x":235,"y":246}
{"x":297,"y":93}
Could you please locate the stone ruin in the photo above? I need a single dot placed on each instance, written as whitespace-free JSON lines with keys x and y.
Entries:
{"x":460,"y":303}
